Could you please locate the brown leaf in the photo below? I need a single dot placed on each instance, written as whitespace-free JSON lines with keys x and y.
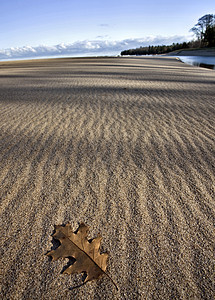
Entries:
{"x":87,"y":254}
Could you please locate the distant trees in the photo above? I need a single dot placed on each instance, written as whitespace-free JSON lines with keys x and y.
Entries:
{"x":156,"y":49}
{"x":204,"y":31}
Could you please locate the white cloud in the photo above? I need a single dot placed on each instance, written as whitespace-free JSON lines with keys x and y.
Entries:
{"x":87,"y":48}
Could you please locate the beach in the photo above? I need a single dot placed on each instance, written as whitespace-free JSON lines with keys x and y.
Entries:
{"x":205,"y":52}
{"x":125,"y":145}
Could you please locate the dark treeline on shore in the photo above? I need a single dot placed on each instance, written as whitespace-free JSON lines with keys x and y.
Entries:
{"x":160,"y":49}
{"x":204,"y":31}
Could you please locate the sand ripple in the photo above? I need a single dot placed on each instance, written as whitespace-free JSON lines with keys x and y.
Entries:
{"x":123,"y":144}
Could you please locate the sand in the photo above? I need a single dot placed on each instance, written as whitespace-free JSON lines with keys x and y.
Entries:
{"x":210,"y":52}
{"x":125,"y":145}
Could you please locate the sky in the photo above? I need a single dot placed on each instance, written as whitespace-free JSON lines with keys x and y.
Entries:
{"x":37,"y":28}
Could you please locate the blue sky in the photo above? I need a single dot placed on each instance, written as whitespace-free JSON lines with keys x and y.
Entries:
{"x":68,"y":27}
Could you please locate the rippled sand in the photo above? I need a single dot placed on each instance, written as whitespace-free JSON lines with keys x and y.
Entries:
{"x":125,"y":145}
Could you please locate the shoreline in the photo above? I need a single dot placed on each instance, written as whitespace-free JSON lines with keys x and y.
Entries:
{"x":210,"y":52}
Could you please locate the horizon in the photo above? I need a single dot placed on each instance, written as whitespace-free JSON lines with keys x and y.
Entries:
{"x":68,"y":29}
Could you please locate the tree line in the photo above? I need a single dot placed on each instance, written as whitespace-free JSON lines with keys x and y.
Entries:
{"x":204,"y":31}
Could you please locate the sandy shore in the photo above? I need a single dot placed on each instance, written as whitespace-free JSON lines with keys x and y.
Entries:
{"x":125,"y":145}
{"x":209,"y":52}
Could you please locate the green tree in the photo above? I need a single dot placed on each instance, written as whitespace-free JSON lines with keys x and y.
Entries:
{"x":203,"y":25}
{"x":209,"y":37}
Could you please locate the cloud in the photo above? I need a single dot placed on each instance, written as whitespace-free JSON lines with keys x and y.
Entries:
{"x":104,"y":25}
{"x":106,"y":36}
{"x":86,"y":47}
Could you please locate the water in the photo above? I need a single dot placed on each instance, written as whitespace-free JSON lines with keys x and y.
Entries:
{"x":200,"y":61}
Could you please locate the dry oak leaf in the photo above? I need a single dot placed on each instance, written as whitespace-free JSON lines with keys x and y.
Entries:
{"x":87,"y":254}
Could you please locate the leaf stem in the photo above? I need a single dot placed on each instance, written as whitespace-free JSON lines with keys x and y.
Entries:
{"x":112,"y":281}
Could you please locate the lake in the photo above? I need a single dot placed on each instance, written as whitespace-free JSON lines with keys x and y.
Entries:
{"x":200,"y":61}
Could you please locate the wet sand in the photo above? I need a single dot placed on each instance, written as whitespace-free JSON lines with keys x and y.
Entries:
{"x":125,"y":145}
